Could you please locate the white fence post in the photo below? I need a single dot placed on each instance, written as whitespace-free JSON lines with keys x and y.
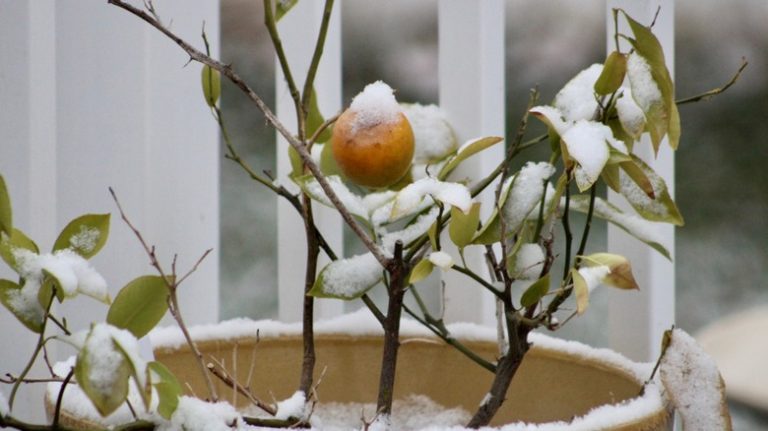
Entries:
{"x":638,"y":319}
{"x":92,"y":97}
{"x":471,"y":74}
{"x":298,"y":31}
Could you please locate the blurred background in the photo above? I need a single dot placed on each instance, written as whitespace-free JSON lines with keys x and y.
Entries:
{"x":721,"y":177}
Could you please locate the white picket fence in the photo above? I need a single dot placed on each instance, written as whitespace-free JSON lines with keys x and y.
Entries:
{"x":90,"y":97}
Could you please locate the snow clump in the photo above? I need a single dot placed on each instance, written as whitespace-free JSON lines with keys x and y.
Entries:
{"x":293,"y":407}
{"x":193,"y":414}
{"x":375,"y":105}
{"x":3,"y":405}
{"x":433,"y":137}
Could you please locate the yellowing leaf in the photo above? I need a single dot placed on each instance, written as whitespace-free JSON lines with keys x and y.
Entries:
{"x":620,"y":274}
{"x":463,"y":225}
{"x":612,"y":75}
{"x":85,"y":235}
{"x":6,"y":215}
{"x":421,"y":271}
{"x":661,"y":207}
{"x":140,"y":305}
{"x":581,"y":291}
{"x":211,"y":80}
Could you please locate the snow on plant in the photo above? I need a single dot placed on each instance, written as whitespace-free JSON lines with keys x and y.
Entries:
{"x":405,"y":221}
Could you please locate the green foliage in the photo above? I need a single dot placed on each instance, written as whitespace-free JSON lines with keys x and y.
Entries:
{"x":535,"y":292}
{"x":211,"y":80}
{"x":106,"y":391}
{"x":663,"y":117}
{"x":315,"y":120}
{"x":168,"y":389}
{"x":85,"y":235}
{"x":140,"y":305}
{"x":6,"y":215}
{"x":466,"y":151}
{"x":9,"y":244}
{"x":10,"y":293}
{"x":463,"y":225}
{"x":612,"y":76}
{"x":421,"y":271}
{"x":282,"y":8}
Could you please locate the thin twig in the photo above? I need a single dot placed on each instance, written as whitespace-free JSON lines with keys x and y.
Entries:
{"x":223,"y":375}
{"x":711,"y":93}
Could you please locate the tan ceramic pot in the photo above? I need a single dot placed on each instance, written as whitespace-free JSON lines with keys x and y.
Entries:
{"x":552,"y":384}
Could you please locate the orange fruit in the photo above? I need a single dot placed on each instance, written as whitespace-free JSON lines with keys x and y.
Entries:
{"x":373,"y":155}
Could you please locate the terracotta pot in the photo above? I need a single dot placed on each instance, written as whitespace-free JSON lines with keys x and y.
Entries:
{"x":557,"y":381}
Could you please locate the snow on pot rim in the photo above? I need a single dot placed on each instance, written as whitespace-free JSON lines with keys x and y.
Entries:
{"x":359,"y":333}
{"x":350,"y":346}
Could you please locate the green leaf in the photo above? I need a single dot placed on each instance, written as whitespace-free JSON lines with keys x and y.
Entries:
{"x":85,"y":235}
{"x":6,"y":215}
{"x":580,"y":290}
{"x":107,"y":391}
{"x":10,"y":294}
{"x":535,"y":292}
{"x":466,"y":151}
{"x":432,"y":233}
{"x":328,"y":163}
{"x":315,"y":120}
{"x":630,"y":223}
{"x":660,"y":207}
{"x":463,"y":226}
{"x":297,"y":165}
{"x":662,"y":118}
{"x":421,"y":271}
{"x":612,"y":76}
{"x":9,"y":245}
{"x":140,"y":305}
{"x":637,"y":175}
{"x":283,"y":6}
{"x":211,"y":80}
{"x":50,"y":282}
{"x":168,"y":389}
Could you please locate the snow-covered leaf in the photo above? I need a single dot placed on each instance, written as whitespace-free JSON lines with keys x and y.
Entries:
{"x":535,"y":292}
{"x":140,"y":305}
{"x":71,"y":273}
{"x":168,"y":388}
{"x":552,"y":117}
{"x":612,"y":75}
{"x":211,"y":80}
{"x":6,"y":215}
{"x":638,"y":227}
{"x":348,"y":278}
{"x":85,"y":235}
{"x":102,"y":370}
{"x":441,"y":259}
{"x":463,"y":225}
{"x":527,"y":262}
{"x":620,"y":274}
{"x":631,"y":117}
{"x":652,"y":86}
{"x":10,"y":245}
{"x":129,"y":347}
{"x":691,"y":378}
{"x":20,"y":303}
{"x":587,"y":143}
{"x":659,"y":208}
{"x":525,"y":194}
{"x":466,"y":151}
{"x":433,"y":137}
{"x":351,"y":201}
{"x":576,"y":100}
{"x":421,"y":271}
{"x":412,"y":196}
{"x":638,"y":175}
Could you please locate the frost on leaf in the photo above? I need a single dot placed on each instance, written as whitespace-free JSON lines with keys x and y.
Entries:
{"x":659,"y":208}
{"x":693,"y":381}
{"x":576,"y":100}
{"x":525,"y":194}
{"x":411,"y":197}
